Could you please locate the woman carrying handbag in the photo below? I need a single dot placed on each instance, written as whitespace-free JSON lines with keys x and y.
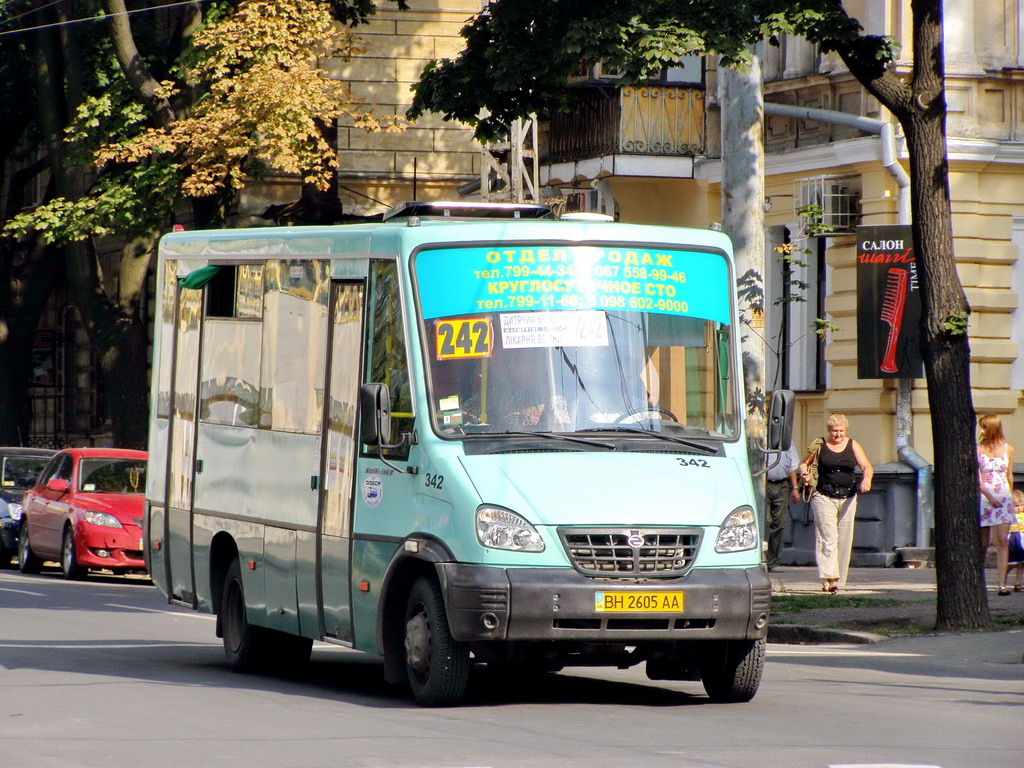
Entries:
{"x":834,"y":499}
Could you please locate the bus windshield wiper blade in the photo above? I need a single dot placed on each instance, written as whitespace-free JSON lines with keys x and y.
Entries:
{"x":553,"y":436}
{"x":660,"y":435}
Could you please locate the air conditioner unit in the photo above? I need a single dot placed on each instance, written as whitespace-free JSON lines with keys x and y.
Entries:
{"x":836,"y":200}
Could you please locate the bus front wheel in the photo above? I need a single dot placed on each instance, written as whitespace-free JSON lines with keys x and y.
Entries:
{"x":731,"y":669}
{"x":436,"y":664}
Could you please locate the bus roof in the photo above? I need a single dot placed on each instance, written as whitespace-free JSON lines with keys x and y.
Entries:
{"x":403,"y":234}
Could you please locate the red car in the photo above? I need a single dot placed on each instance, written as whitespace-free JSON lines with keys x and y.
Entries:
{"x":85,"y":511}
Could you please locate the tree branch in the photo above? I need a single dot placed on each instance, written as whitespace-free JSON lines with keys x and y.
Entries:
{"x":139,"y":78}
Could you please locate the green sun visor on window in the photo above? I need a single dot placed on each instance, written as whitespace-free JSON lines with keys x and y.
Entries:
{"x":200,"y":277}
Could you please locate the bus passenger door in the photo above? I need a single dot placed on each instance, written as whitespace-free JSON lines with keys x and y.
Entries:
{"x":181,"y":449}
{"x":338,"y":461}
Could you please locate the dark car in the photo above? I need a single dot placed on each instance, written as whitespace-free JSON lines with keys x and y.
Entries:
{"x":85,"y":510}
{"x":19,"y":468}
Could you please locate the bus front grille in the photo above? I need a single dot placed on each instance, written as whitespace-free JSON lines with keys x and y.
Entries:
{"x":644,"y":552}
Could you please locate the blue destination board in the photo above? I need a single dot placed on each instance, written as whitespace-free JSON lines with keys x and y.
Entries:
{"x":459,"y":281}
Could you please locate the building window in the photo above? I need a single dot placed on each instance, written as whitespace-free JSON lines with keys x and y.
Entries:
{"x":1017,"y":318}
{"x":795,"y":290}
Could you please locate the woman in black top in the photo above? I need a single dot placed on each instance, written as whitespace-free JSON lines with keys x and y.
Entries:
{"x":834,"y":501}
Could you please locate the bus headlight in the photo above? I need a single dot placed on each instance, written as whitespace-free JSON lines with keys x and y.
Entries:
{"x":498,"y":528}
{"x":738,"y":532}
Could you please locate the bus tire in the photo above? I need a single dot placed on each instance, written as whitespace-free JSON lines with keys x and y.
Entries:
{"x":27,"y":561}
{"x":437,"y":665}
{"x":245,"y":646}
{"x":731,"y":670}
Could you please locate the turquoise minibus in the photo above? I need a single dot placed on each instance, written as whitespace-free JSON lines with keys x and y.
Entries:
{"x":468,"y":434}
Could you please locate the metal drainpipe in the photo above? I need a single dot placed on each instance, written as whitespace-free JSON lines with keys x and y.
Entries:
{"x":887,"y":134}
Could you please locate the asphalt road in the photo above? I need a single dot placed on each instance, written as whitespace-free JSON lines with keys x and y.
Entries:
{"x":106,"y":673}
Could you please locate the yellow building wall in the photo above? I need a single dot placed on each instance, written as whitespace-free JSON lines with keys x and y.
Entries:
{"x":431,"y":158}
{"x":984,"y":200}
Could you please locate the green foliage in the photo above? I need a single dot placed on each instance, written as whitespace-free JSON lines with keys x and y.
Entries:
{"x":250,"y":99}
{"x":956,"y":323}
{"x":519,"y":54}
{"x":823,"y":326}
{"x":812,"y":217}
{"x":135,"y":200}
{"x":792,"y":257}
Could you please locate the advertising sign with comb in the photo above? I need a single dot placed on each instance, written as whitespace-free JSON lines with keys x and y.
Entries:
{"x":888,"y":304}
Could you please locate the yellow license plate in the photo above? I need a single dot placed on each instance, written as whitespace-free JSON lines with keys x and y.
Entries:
{"x":638,"y":602}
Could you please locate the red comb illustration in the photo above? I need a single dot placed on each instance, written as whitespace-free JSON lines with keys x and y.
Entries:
{"x":892,"y":313}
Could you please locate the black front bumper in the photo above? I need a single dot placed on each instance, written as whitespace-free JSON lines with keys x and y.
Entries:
{"x":543,"y":604}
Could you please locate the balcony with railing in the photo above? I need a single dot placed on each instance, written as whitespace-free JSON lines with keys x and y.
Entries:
{"x":650,"y":120}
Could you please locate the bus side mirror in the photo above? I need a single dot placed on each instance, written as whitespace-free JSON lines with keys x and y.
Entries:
{"x":781,"y":411}
{"x":374,"y":415}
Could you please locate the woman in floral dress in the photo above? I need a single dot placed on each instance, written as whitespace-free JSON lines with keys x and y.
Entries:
{"x":995,"y":470}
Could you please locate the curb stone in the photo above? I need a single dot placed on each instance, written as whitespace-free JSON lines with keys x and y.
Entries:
{"x":796,"y":634}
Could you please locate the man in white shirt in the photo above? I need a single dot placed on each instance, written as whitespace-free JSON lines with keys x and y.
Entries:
{"x":780,"y":489}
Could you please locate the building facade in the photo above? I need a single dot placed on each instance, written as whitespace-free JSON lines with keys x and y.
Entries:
{"x":651,"y":153}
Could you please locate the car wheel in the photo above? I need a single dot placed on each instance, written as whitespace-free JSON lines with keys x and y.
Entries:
{"x":68,"y":557}
{"x":246,"y":647}
{"x":7,"y":558}
{"x":27,"y":562}
{"x":731,"y":670}
{"x":436,"y":664}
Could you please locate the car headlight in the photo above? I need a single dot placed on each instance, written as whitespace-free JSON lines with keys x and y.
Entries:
{"x":101,"y":518}
{"x":738,"y":532}
{"x":14,"y":510}
{"x":499,"y":528}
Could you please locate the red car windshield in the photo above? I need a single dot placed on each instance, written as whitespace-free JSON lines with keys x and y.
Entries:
{"x":106,"y":475}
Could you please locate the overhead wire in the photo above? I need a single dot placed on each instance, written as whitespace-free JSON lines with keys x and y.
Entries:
{"x":69,"y":22}
{"x":28,"y":12}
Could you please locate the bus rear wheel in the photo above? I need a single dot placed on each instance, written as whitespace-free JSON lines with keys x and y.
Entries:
{"x":245,"y":646}
{"x":436,"y":664}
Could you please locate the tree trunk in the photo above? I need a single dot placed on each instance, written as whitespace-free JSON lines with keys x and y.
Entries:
{"x":743,"y":221}
{"x":125,"y":366}
{"x":115,"y":326}
{"x":920,"y":107}
{"x":118,"y":332}
{"x":962,"y":602}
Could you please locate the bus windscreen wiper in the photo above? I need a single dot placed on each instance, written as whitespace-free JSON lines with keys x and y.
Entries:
{"x":661,"y":435}
{"x":553,"y":436}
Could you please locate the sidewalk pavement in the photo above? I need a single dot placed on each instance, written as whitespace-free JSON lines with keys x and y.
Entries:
{"x":881,"y":603}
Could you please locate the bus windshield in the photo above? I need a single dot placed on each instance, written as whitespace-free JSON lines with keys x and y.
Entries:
{"x":577,"y":338}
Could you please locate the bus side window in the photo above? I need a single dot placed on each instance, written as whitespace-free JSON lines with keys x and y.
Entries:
{"x":387,"y":359}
